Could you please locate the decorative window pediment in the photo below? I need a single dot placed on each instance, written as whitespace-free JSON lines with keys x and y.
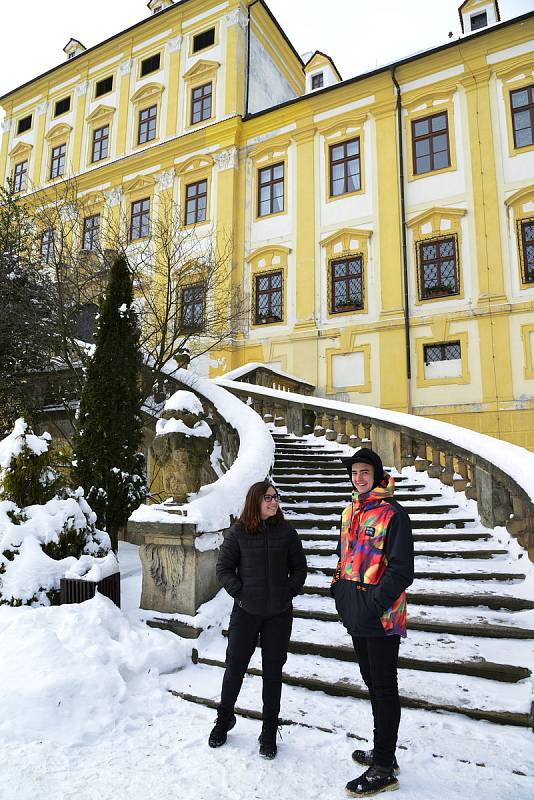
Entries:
{"x":268,"y":257}
{"x":272,"y":150}
{"x":202,"y":69}
{"x":523,"y":197}
{"x":101,"y":114}
{"x":434,"y":220}
{"x":61,"y":131}
{"x":195,"y":164}
{"x":344,"y":128}
{"x":428,"y":100}
{"x":346,"y":240}
{"x":150,"y":91}
{"x":21,"y":151}
{"x":141,"y":183}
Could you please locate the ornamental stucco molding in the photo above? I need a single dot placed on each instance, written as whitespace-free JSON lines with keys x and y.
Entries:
{"x":82,"y":88}
{"x":226,"y":159}
{"x":125,"y":67}
{"x":42,"y":108}
{"x":114,"y":196}
{"x":165,"y":179}
{"x":174,"y":44}
{"x":236,"y":17}
{"x":6,"y":125}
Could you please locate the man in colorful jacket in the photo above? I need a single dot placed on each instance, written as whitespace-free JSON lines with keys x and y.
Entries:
{"x":376,"y":565}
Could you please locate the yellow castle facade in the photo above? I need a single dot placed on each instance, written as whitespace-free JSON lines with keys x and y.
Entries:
{"x":382,"y":226}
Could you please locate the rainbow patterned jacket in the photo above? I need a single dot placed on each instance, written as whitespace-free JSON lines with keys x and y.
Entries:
{"x":375,"y":564}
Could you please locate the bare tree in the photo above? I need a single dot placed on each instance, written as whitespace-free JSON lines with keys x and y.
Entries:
{"x":183,"y":281}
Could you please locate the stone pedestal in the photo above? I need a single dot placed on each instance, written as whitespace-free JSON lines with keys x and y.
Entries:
{"x":177,"y":578}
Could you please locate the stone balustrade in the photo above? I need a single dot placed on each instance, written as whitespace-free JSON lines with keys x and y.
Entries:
{"x":502,"y":501}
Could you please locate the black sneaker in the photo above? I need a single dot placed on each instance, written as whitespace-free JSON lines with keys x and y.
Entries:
{"x":267,"y":740}
{"x":222,"y":725}
{"x":373,"y":781}
{"x":365,"y":757}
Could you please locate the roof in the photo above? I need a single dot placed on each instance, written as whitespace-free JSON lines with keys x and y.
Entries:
{"x":144,"y":21}
{"x":394,"y":64}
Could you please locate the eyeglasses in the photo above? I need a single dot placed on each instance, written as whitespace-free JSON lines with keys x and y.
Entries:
{"x":269,"y":497}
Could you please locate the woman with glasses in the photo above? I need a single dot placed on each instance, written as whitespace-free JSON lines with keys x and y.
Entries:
{"x":262,"y":566}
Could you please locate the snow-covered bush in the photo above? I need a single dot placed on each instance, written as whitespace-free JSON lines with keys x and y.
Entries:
{"x":41,"y":540}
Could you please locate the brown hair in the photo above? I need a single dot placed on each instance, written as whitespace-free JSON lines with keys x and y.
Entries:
{"x":250,"y":516}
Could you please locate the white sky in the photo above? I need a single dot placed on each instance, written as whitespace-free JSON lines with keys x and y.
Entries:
{"x":358,"y":34}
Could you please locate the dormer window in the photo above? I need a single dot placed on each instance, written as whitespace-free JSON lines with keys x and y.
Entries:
{"x":62,"y":106}
{"x":318,"y":81}
{"x":203,"y":40}
{"x":479,"y":21}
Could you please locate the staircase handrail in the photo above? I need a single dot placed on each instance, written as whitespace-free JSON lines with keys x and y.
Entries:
{"x":498,"y":474}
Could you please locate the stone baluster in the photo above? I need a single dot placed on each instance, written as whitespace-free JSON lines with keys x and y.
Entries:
{"x":421,"y":461}
{"x":460,"y":478}
{"x":355,"y":439}
{"x":447,"y":476}
{"x":434,"y":469}
{"x":366,"y":438}
{"x":331,"y":434}
{"x":342,"y":436}
{"x":320,"y":425}
{"x":471,"y":491}
{"x":280,"y":414}
{"x":407,"y":451}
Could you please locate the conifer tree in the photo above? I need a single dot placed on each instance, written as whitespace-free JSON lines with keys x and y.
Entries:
{"x":108,"y":464}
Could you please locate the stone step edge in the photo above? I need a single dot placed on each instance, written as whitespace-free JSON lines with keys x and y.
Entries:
{"x":494,"y":602}
{"x":487,"y":670}
{"x":256,"y":715}
{"x":442,"y":536}
{"x":429,"y":626}
{"x":466,"y":554}
{"x":342,"y":689}
{"x":301,"y":523}
{"x":504,"y":577}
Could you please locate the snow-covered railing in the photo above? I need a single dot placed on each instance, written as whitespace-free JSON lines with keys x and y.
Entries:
{"x":216,"y":504}
{"x":272,"y":377}
{"x":498,"y":474}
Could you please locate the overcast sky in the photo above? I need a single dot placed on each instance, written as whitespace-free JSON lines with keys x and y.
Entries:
{"x":358,"y":34}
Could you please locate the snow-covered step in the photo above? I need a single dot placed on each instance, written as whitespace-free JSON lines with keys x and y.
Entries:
{"x":420,"y":535}
{"x":431,"y":652}
{"x":445,"y":587}
{"x":436,"y":598}
{"x":478,"y":698}
{"x":331,"y":521}
{"x":467,"y":621}
{"x":429,"y":744}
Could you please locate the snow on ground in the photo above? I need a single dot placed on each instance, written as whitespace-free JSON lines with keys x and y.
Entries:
{"x":86,"y":717}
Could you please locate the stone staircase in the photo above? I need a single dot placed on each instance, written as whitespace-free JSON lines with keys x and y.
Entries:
{"x":470,"y":619}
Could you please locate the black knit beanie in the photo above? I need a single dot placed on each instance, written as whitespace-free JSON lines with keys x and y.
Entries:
{"x":365,"y":456}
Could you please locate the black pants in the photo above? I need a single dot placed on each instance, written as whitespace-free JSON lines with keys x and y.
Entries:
{"x":243,"y":632}
{"x":377,"y":657}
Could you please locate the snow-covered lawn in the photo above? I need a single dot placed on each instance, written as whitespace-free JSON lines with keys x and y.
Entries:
{"x":86,"y":716}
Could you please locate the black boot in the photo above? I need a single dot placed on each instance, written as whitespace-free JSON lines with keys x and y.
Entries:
{"x":222,"y":725}
{"x":373,"y":781}
{"x":267,"y":740}
{"x":365,"y":757}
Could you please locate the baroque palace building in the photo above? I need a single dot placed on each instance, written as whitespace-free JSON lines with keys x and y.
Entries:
{"x":383,"y":226}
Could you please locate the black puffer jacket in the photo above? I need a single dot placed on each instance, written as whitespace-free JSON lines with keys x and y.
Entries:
{"x":262,"y":571}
